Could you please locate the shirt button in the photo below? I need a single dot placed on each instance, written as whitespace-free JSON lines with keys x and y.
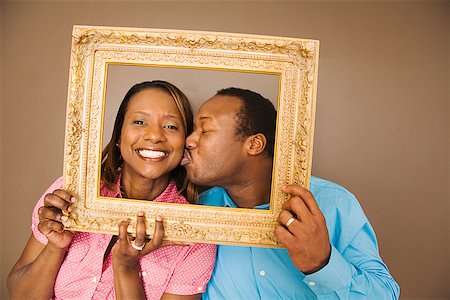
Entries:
{"x":311,"y":283}
{"x":144,"y":273}
{"x":199,"y":288}
{"x":262,"y":273}
{"x":94,"y":279}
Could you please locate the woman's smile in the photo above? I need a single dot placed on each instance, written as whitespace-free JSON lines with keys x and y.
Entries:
{"x":151,"y":154}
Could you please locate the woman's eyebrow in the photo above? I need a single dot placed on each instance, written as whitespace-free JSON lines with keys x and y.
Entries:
{"x":166,"y":115}
{"x":172,"y":116}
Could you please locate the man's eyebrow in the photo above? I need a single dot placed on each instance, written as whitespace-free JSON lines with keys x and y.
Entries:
{"x":205,"y":118}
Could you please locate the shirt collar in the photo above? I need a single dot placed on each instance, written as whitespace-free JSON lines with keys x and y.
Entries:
{"x":228,"y":202}
{"x":113,"y":191}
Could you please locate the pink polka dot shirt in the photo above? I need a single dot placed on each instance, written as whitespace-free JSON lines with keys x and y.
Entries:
{"x":182,"y":270}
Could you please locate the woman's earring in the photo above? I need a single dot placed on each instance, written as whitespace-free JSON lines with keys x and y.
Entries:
{"x":117,"y":144}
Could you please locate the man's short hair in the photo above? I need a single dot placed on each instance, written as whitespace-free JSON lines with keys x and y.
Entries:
{"x":257,"y":115}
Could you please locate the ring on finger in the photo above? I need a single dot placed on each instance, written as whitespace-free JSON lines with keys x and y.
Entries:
{"x":290,"y":221}
{"x":136,"y":247}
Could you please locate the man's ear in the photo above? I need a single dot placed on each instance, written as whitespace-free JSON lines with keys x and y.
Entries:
{"x":256,"y":144}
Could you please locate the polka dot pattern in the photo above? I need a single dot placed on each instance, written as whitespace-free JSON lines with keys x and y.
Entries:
{"x":182,"y":270}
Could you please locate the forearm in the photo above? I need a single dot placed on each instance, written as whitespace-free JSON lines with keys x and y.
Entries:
{"x":128,"y":283}
{"x":36,"y":280}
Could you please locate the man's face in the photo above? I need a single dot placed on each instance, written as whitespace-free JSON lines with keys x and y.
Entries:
{"x":215,"y":154}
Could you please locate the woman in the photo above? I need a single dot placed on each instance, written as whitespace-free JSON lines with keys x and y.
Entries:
{"x":141,"y":162}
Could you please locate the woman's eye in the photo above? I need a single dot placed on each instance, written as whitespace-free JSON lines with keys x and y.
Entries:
{"x":138,"y":122}
{"x":171,"y":127}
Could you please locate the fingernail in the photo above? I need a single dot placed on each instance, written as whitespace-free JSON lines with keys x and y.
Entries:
{"x":69,"y":209}
{"x":125,"y":220}
{"x":158,"y":218}
{"x":64,"y":218}
{"x":140,"y":214}
{"x":72,"y":199}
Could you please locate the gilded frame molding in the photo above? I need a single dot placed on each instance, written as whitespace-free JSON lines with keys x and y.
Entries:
{"x":93,"y":48}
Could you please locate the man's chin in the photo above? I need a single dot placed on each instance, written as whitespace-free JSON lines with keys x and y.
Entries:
{"x":193,"y":177}
{"x":190,"y":173}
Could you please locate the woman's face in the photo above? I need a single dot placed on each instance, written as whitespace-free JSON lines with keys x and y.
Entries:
{"x":153,"y":135}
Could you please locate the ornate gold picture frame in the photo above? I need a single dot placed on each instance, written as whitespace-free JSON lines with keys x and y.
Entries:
{"x":290,"y":63}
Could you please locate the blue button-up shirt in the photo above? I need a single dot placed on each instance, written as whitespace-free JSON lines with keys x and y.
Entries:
{"x":354,"y":271}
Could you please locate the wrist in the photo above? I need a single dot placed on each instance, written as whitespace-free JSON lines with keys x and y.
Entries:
{"x":125,"y":268}
{"x":316,"y":269}
{"x":55,"y":249}
{"x":319,"y":266}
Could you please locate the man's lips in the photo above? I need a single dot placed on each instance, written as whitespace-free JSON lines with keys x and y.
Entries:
{"x":186,"y":158}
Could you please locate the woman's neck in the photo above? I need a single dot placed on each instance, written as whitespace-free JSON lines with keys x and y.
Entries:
{"x":141,"y":188}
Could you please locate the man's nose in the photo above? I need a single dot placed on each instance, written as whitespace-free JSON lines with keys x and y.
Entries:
{"x":191,"y":141}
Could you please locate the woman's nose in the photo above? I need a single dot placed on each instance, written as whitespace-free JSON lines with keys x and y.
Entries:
{"x":154,"y":134}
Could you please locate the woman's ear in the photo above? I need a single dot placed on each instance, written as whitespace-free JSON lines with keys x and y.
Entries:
{"x":256,"y":144}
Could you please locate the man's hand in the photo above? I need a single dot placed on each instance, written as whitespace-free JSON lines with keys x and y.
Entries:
{"x":303,"y":230}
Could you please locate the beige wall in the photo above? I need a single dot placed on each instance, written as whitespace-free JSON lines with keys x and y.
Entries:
{"x":382,"y":127}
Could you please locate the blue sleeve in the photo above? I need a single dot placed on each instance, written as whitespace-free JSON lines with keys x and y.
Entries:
{"x":355,"y":269}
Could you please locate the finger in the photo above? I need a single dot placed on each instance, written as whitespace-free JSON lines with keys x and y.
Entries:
{"x":47,"y":226}
{"x":285,"y":236}
{"x":297,"y":207}
{"x":140,"y":229}
{"x":65,"y":195}
{"x":158,"y":234}
{"x":305,"y":195}
{"x":51,"y":213}
{"x":123,"y":241}
{"x":55,"y":200}
{"x":175,"y":243}
{"x":284,"y":217}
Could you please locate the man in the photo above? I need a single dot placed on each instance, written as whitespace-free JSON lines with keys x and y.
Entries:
{"x":331,"y":250}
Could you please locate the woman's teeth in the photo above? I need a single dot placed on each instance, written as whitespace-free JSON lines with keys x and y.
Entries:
{"x":151,"y":153}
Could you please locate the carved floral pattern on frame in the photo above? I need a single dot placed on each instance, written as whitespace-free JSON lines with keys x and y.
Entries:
{"x":93,"y":48}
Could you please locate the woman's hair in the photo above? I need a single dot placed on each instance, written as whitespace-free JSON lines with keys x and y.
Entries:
{"x":111,"y":157}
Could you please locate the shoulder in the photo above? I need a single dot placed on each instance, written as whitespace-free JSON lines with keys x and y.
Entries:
{"x":339,"y":206}
{"x":319,"y":185}
{"x":57,"y":184}
{"x":332,"y":197}
{"x":324,"y":189}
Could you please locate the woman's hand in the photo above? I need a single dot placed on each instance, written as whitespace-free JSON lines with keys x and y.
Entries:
{"x":51,"y":217}
{"x":125,"y":256}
